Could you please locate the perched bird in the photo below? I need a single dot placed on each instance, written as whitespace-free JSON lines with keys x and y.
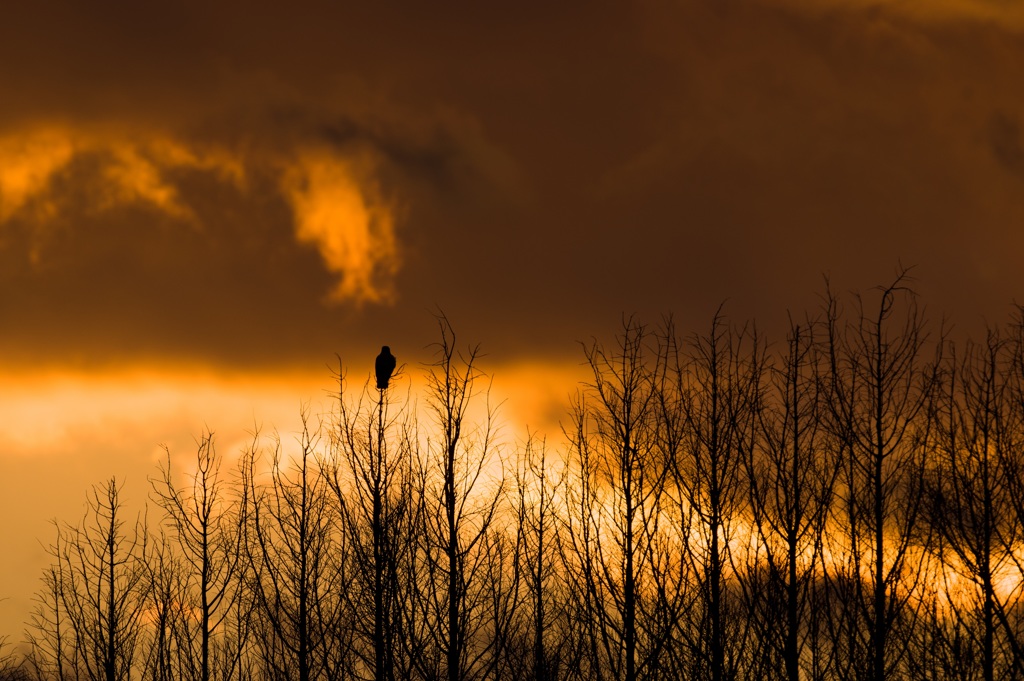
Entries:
{"x":385,"y":366}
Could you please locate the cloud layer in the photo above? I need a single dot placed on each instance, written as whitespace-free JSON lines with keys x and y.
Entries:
{"x":263,"y":185}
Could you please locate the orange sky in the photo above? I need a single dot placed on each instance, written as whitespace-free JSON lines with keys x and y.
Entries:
{"x":200,"y":205}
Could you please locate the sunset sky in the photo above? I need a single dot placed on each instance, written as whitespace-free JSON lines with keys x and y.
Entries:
{"x":200,"y":205}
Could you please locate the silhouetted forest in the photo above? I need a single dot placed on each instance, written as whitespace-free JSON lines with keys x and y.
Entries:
{"x":843,"y":503}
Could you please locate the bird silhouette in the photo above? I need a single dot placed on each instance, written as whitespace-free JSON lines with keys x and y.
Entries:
{"x":385,"y":366}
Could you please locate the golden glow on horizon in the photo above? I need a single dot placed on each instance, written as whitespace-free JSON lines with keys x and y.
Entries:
{"x":68,"y":415}
{"x":89,"y":427}
{"x":50,"y":410}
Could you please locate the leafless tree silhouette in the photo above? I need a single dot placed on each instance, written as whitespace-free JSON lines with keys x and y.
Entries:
{"x":208,"y":529}
{"x":720,"y":377}
{"x":543,"y":635}
{"x":89,"y":624}
{"x":882,"y":389}
{"x":791,"y":472}
{"x":452,"y":628}
{"x":374,"y":477}
{"x":618,"y":550}
{"x":297,"y":566}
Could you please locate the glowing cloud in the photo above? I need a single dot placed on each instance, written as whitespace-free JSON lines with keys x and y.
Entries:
{"x":134,"y":171}
{"x":27,"y":162}
{"x":347,"y":222}
{"x":336,"y":205}
{"x":133,"y":177}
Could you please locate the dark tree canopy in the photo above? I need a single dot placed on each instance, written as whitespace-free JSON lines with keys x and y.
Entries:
{"x":842,"y":506}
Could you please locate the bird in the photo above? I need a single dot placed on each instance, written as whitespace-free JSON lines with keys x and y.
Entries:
{"x":385,"y":366}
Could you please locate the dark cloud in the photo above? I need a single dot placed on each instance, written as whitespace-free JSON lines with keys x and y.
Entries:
{"x":539,"y":171}
{"x":1005,"y":138}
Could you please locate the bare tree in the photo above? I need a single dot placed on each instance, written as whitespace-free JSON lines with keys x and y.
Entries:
{"x":297,"y":561}
{"x":374,"y":479}
{"x":166,"y":654}
{"x":52,"y":650}
{"x":462,"y":489}
{"x":972,"y":505}
{"x":942,"y":645}
{"x":719,"y":377}
{"x":12,"y":668}
{"x":615,"y":496}
{"x":97,"y":592}
{"x":539,"y":543}
{"x":206,"y":524}
{"x":790,"y":474}
{"x":881,"y":393}
{"x":526,"y":587}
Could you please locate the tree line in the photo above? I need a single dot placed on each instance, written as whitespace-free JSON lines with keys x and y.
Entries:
{"x":846,"y":504}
